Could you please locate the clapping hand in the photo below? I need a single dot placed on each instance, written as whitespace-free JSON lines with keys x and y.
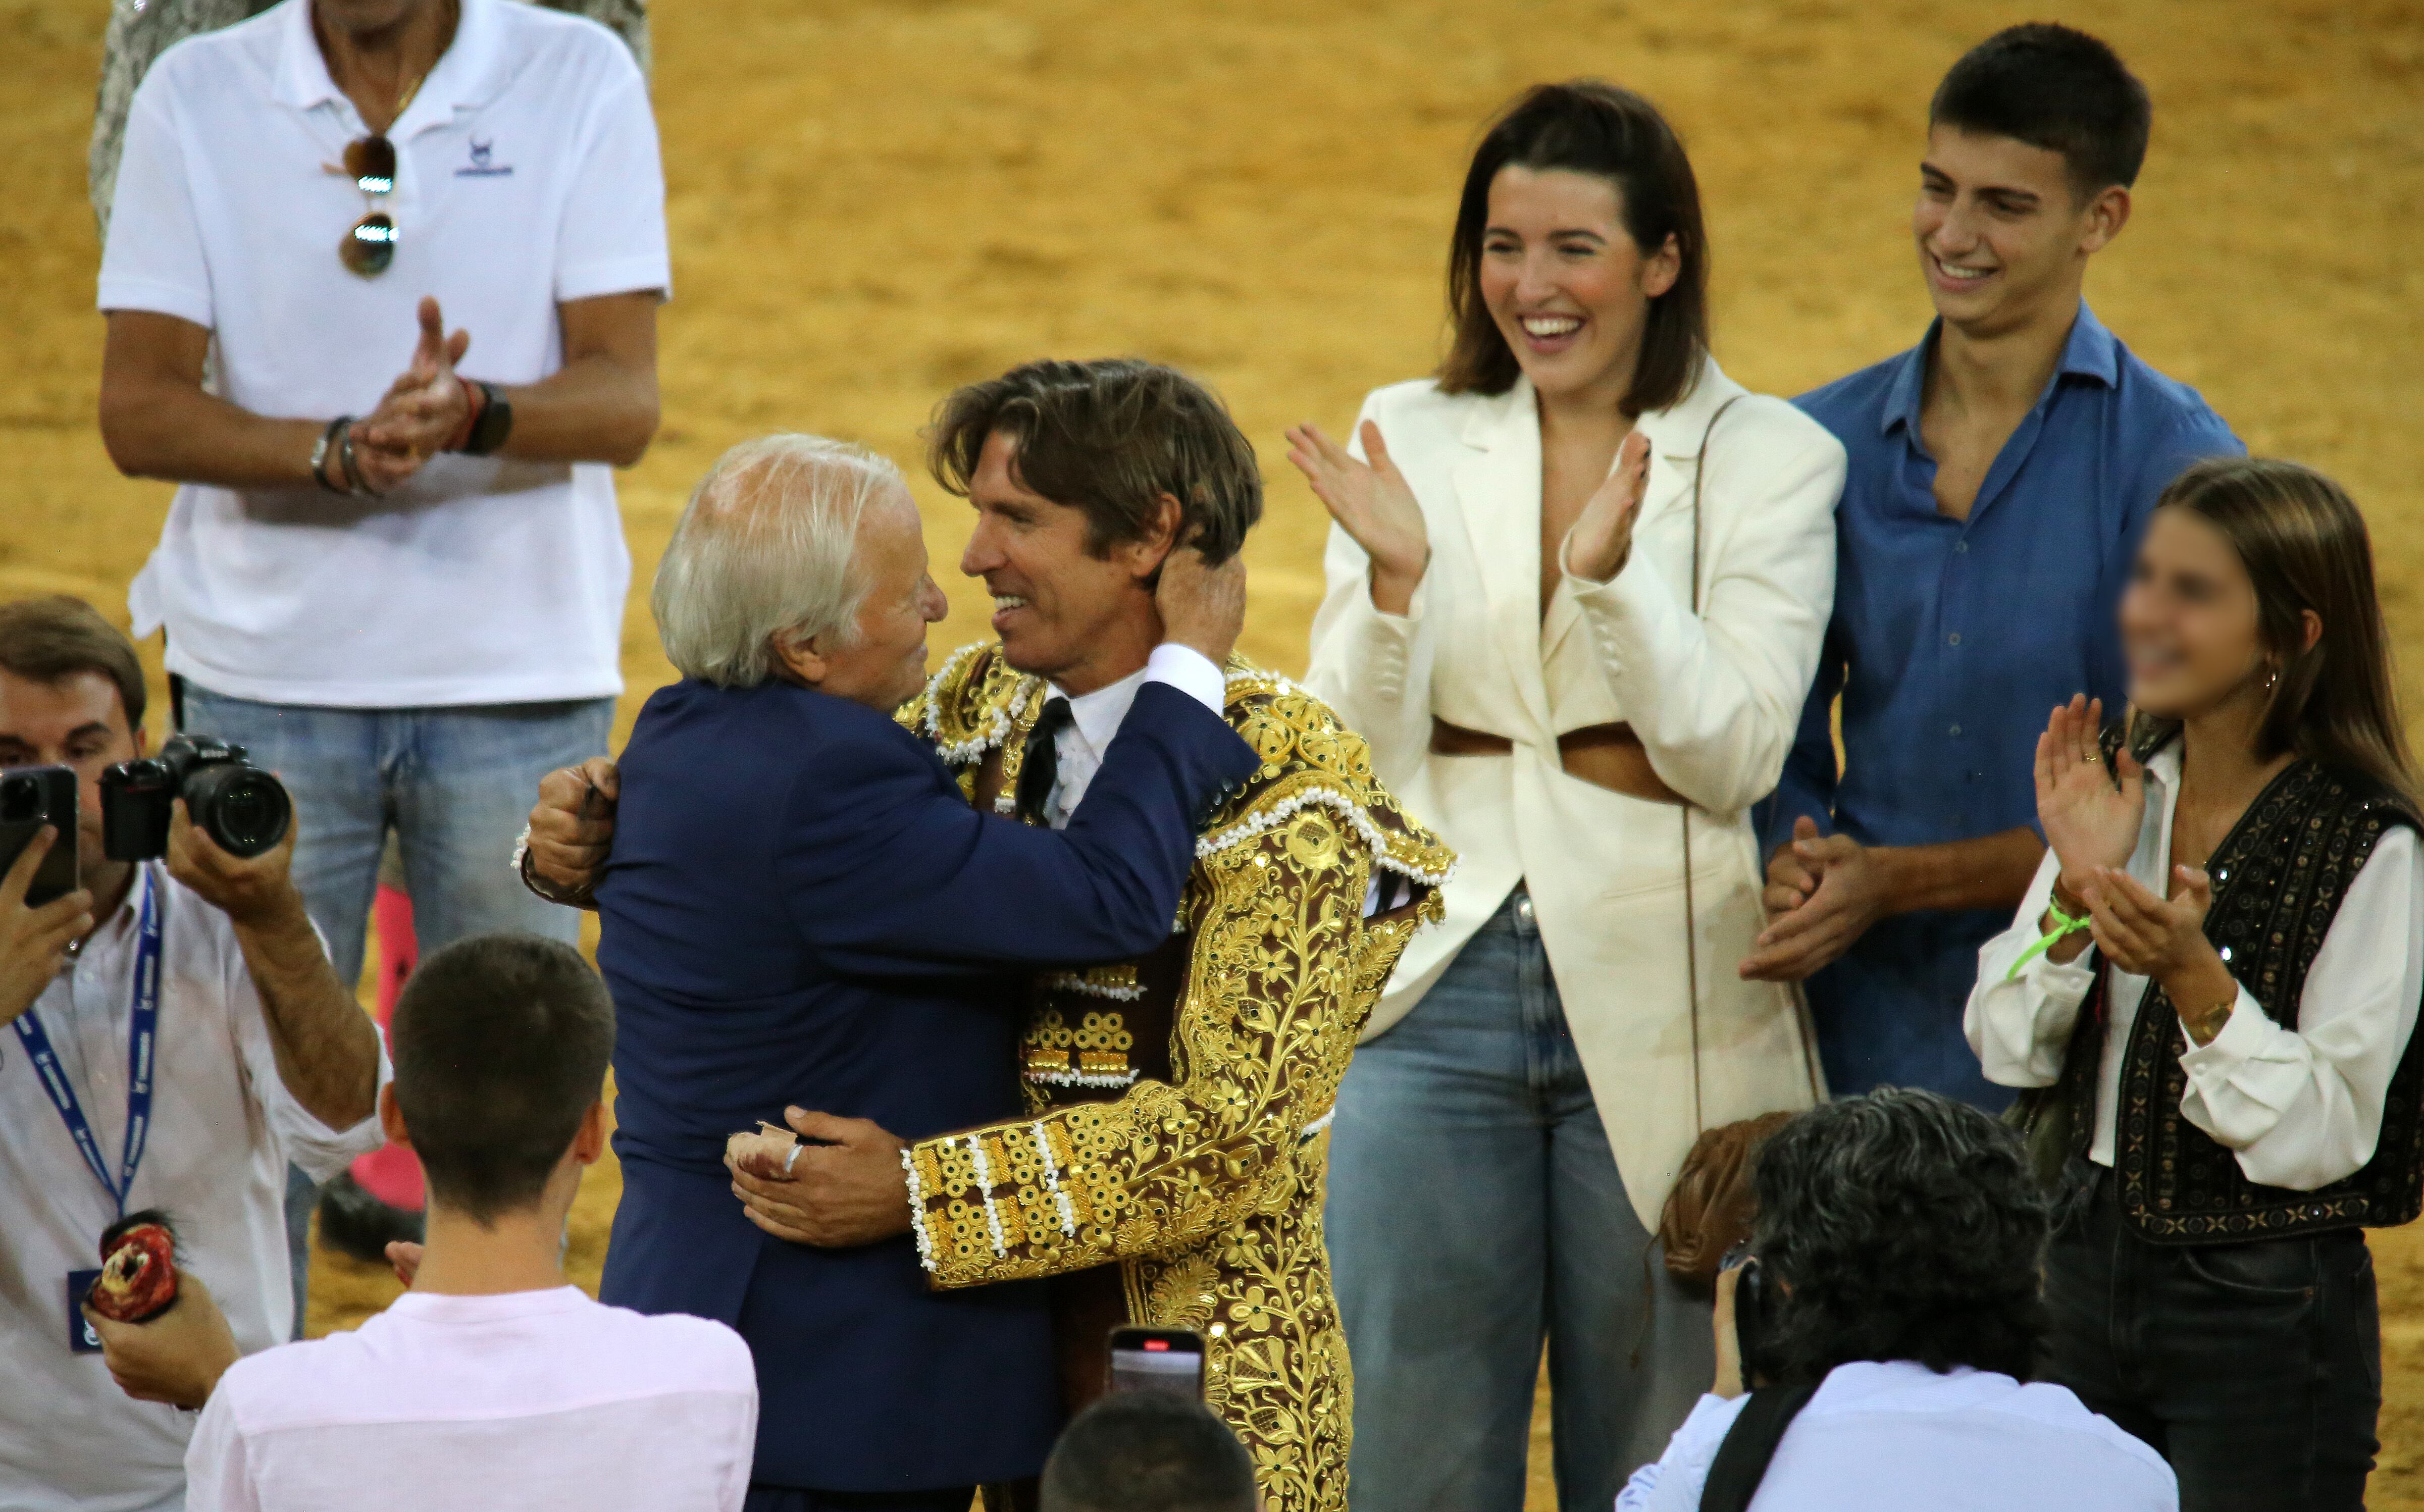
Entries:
{"x":2146,"y":935}
{"x":2091,"y":820}
{"x":425,"y":412}
{"x":1372,"y":505}
{"x":1602,"y":539}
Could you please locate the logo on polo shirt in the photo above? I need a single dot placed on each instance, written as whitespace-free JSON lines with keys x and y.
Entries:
{"x":480,"y":166}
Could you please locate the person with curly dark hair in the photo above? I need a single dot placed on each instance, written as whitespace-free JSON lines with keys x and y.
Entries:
{"x":1889,"y":1316}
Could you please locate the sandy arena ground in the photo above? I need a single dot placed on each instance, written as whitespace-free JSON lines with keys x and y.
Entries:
{"x":871,"y":202}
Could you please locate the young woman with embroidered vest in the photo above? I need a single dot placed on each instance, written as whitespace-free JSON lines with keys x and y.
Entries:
{"x":1576,"y":589}
{"x":2214,"y":983}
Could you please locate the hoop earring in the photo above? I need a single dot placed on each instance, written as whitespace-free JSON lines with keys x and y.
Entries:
{"x":2271,"y":678}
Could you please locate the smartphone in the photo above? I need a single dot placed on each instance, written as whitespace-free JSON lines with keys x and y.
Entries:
{"x":31,"y":797}
{"x":1157,"y":1359}
{"x":1753,"y":1326}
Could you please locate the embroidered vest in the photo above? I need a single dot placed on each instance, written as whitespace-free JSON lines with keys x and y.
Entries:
{"x":2278,"y":879}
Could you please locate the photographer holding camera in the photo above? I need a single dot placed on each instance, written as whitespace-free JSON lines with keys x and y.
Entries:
{"x":1887,"y":1319}
{"x":175,"y":1036}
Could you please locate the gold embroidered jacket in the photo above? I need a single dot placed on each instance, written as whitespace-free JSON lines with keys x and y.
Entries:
{"x":1180,"y":1101}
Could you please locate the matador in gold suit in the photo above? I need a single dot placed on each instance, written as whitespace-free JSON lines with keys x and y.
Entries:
{"x":1170,"y":1171}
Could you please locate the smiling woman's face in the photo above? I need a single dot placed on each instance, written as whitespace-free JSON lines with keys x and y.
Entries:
{"x":1565,"y":283}
{"x":2189,"y":619}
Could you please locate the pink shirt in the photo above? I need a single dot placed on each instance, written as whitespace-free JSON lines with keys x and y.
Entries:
{"x":539,"y":1401}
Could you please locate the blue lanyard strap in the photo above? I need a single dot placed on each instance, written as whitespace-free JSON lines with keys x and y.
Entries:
{"x":139,"y":1044}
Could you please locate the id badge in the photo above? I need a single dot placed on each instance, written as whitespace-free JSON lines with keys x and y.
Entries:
{"x":80,"y":1339}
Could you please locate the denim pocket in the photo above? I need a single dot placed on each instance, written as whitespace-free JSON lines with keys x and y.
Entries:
{"x":2272,"y":1271}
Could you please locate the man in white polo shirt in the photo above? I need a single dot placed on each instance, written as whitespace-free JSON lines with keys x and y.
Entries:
{"x":257,"y":1055}
{"x":400,"y":585}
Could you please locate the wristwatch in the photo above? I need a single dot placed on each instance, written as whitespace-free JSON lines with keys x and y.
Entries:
{"x":492,"y":425}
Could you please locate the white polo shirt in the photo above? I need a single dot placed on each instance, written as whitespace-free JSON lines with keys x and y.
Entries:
{"x":527,"y":175}
{"x":223,"y":1129}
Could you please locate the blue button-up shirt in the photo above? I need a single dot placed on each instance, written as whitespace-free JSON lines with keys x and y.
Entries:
{"x":1951,"y":639}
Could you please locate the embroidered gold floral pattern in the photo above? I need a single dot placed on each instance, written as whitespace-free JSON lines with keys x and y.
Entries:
{"x":1206,"y":1188}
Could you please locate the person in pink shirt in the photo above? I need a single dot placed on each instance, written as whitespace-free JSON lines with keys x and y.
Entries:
{"x":492,"y":1383}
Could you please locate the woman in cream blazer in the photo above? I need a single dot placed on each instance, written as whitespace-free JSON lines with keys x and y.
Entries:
{"x":1526,"y":1090}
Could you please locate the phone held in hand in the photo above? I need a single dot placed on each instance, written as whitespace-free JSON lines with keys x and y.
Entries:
{"x":1753,"y":1326}
{"x":31,"y":797}
{"x":1157,"y":1359}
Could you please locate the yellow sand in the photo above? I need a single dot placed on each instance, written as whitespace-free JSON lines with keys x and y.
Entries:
{"x":873,"y":202}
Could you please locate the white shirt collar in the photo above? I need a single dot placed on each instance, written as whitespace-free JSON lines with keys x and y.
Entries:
{"x":1095,"y":717}
{"x":469,"y":72}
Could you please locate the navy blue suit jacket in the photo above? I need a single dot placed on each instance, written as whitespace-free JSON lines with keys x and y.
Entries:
{"x":801,"y":909}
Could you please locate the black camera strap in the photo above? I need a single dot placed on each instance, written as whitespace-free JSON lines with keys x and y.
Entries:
{"x":1749,"y":1444}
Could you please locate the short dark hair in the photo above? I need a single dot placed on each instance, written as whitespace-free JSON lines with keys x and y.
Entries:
{"x":1904,"y":1226}
{"x":500,"y":1046}
{"x":1148,"y":1452}
{"x":54,"y":637}
{"x":2057,"y":89}
{"x":1586,"y":126}
{"x":1109,"y":436}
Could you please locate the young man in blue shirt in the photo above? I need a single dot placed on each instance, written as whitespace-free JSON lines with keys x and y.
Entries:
{"x":2000,"y":472}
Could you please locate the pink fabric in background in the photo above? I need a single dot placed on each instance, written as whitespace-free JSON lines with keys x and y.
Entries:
{"x":391,"y":1173}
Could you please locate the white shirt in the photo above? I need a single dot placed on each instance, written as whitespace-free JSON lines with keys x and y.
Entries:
{"x":536,"y":1401}
{"x":1897,"y":1437}
{"x":223,"y":1129}
{"x":1094,"y":720}
{"x":527,"y":175}
{"x":2302,"y":1107}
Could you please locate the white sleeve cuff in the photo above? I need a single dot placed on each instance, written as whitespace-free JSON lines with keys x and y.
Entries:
{"x":1190,"y":672}
{"x":2242,"y":1037}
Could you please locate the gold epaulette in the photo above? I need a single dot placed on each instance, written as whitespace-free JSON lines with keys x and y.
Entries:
{"x":1309,"y":760}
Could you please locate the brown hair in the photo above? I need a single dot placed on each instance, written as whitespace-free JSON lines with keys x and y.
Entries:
{"x":1109,"y":438}
{"x":54,"y":637}
{"x":2304,"y":547}
{"x":1586,"y":126}
{"x":501,"y":1044}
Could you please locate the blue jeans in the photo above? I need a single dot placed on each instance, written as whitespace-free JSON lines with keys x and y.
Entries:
{"x":454,"y":783}
{"x":1475,"y":1210}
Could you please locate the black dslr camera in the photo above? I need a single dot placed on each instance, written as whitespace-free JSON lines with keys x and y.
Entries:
{"x":236,"y":804}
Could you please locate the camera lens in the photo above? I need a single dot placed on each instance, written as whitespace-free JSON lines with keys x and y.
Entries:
{"x":244,"y":810}
{"x":21,"y":800}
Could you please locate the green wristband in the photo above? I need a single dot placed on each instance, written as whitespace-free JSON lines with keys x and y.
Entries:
{"x":2068,"y":925}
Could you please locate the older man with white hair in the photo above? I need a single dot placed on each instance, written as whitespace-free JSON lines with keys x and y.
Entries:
{"x":802,"y":911}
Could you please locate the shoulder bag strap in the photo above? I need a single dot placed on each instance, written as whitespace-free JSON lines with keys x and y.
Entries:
{"x":1691,"y":912}
{"x":1742,"y":1456}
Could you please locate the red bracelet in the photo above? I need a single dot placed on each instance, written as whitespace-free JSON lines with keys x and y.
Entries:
{"x":479,"y":397}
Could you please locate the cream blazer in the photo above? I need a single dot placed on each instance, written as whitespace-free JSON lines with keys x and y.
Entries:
{"x":1715,"y":697}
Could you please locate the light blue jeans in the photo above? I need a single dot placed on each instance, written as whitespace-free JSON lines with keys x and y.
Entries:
{"x":1474,"y":1211}
{"x":454,"y":783}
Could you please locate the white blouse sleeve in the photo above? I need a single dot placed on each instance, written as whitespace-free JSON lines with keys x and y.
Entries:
{"x":2019,"y":1024}
{"x":2303,"y":1107}
{"x":1717,"y":697}
{"x":1373,"y":668}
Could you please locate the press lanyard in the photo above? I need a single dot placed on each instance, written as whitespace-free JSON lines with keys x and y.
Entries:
{"x":146,"y":1016}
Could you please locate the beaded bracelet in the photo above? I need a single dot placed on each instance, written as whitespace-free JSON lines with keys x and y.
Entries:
{"x":320,"y":452}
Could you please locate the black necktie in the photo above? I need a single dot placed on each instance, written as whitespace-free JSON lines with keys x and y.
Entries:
{"x":1039,"y":767}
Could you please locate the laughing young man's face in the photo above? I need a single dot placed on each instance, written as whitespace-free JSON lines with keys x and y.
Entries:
{"x":2003,"y":232}
{"x":1063,"y":611}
